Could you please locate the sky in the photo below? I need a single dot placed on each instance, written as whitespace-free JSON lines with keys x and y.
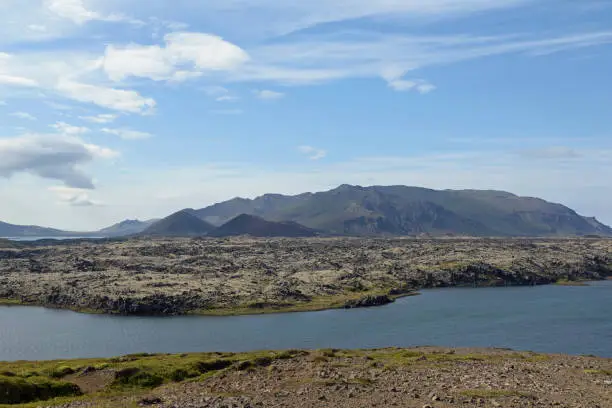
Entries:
{"x":134,"y":109}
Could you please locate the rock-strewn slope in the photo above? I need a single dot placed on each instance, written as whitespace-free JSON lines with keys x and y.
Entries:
{"x":174,"y":276}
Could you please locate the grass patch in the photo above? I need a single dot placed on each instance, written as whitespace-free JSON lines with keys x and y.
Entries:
{"x":598,"y":372}
{"x":11,"y":302}
{"x":315,"y":304}
{"x":566,"y":282}
{"x":17,"y":390}
{"x":487,"y":394}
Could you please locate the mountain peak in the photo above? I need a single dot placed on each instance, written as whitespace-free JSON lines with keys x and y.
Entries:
{"x":181,"y":223}
{"x":246,"y":224}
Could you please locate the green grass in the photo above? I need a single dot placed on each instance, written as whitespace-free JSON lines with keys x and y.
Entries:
{"x":566,"y":282}
{"x":316,"y":304}
{"x":132,"y":375}
{"x":16,"y":389}
{"x":11,"y":302}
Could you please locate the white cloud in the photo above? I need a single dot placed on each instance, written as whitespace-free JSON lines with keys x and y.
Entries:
{"x":312,"y":152}
{"x":111,"y":98}
{"x":101,"y":118}
{"x":185,"y":55}
{"x":74,"y":76}
{"x":268,"y":95}
{"x":66,"y":129}
{"x":76,"y":11}
{"x":128,"y":134}
{"x":227,"y":98}
{"x":75,"y":197}
{"x":55,"y":157}
{"x":23,"y":115}
{"x":16,"y":80}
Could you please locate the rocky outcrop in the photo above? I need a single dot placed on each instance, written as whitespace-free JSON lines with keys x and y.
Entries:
{"x":368,"y":301}
{"x":179,"y":276}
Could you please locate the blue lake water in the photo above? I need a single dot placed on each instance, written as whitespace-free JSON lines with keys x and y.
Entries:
{"x":556,"y":319}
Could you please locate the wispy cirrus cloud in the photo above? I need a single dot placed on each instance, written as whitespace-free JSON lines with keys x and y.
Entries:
{"x":23,"y":115}
{"x":67,"y":129}
{"x":100,"y":118}
{"x":77,"y":12}
{"x":391,"y":57}
{"x":271,"y":18}
{"x":128,"y":134}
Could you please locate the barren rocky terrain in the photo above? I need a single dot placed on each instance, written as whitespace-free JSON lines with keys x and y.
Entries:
{"x":425,"y":377}
{"x":241,"y":275}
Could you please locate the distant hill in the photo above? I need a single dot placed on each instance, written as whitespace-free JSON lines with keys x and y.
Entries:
{"x":182,"y":223}
{"x":127,"y":227}
{"x":258,"y":227}
{"x":402,"y":210}
{"x":10,"y":230}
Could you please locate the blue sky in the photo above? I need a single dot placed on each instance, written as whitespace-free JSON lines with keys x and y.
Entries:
{"x":115,"y":109}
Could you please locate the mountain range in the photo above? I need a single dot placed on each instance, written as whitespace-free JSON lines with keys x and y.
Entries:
{"x":356,"y":210}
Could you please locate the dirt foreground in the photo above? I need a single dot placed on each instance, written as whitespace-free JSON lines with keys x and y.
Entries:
{"x":411,"y":378}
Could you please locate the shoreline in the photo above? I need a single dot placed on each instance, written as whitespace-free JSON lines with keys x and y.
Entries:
{"x":342,"y":378}
{"x":317,"y":305}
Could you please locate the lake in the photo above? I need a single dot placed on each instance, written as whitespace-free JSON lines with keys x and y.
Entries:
{"x":28,"y":239}
{"x":554,"y":319}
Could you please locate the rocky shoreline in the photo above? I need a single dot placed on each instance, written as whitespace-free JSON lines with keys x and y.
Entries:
{"x":250,"y":276}
{"x":425,"y":377}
